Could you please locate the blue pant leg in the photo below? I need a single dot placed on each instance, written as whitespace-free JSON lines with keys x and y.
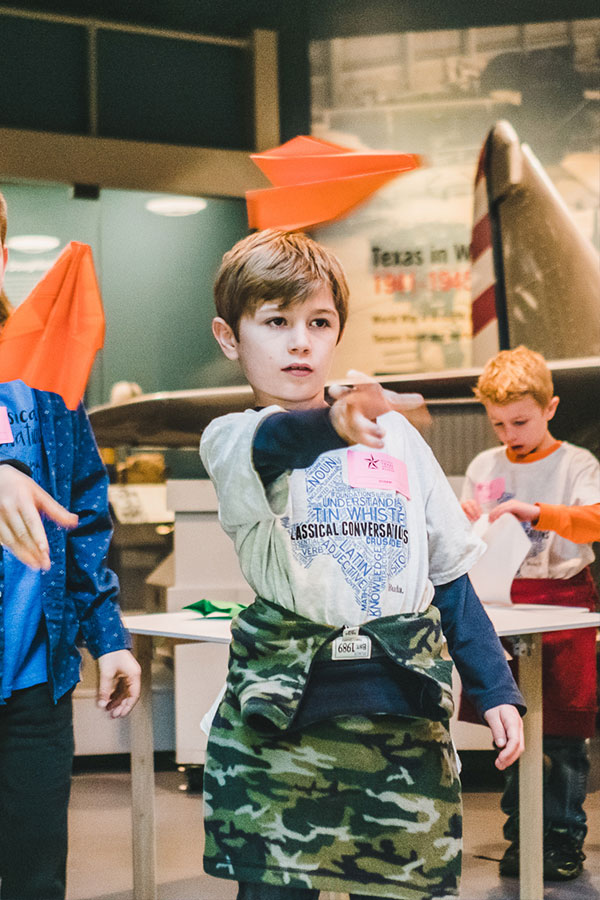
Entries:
{"x":566,"y":767}
{"x":565,"y":786}
{"x":36,"y":756}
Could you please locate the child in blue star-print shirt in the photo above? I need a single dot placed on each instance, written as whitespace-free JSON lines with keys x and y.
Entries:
{"x":54,"y":590}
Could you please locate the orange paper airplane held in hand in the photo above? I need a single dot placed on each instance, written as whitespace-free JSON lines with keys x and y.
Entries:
{"x":316,"y":181}
{"x":51,"y":339}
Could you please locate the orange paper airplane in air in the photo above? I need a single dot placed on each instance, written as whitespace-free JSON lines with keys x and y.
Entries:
{"x":316,"y":181}
{"x":51,"y":339}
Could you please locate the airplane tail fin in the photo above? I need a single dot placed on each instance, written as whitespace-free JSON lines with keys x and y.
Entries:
{"x":536,"y":277}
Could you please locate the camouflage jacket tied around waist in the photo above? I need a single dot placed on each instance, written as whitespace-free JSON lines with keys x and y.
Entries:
{"x":283,"y":676}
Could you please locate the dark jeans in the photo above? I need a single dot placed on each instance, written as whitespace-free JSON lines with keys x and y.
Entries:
{"x":275,"y":892}
{"x":36,"y":757}
{"x":566,"y":767}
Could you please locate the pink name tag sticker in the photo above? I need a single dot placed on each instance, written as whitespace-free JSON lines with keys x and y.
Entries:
{"x":377,"y":471}
{"x":487,"y":491}
{"x":6,"y":435}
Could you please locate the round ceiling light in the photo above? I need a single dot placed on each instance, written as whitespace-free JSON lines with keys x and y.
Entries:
{"x":33,"y":243}
{"x":175,"y":206}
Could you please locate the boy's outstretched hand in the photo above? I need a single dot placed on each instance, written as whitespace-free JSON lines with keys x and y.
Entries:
{"x":507,"y":731}
{"x":119,"y":682}
{"x":354,"y":413}
{"x":356,"y":408}
{"x":21,"y":530}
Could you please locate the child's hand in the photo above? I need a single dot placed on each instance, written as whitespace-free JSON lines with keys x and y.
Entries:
{"x":524,"y":512}
{"x":411,"y":406}
{"x":21,"y":528}
{"x":119,"y":682}
{"x":354,"y":413}
{"x":471,"y":509}
{"x":507,"y":731}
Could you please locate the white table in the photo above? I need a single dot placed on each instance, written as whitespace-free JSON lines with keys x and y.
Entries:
{"x":527,"y":621}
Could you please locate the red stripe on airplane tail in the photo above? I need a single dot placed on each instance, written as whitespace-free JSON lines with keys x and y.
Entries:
{"x":483,"y":309}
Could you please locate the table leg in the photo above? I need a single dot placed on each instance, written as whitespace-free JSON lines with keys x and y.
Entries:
{"x":142,"y":779}
{"x":531,"y":772}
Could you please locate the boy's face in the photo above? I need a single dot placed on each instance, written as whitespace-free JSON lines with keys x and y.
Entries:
{"x":522,"y":425}
{"x":285,"y":353}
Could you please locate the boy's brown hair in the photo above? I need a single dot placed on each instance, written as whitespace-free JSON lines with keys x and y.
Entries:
{"x":5,"y":307}
{"x":276,"y":265}
{"x":514,"y":374}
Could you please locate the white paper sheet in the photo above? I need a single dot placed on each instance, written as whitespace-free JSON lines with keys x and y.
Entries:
{"x":507,"y":547}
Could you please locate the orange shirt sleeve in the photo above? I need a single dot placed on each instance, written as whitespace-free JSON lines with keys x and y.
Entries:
{"x":580,"y":524}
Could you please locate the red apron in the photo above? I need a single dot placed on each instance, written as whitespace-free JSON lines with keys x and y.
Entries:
{"x":568,"y":657}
